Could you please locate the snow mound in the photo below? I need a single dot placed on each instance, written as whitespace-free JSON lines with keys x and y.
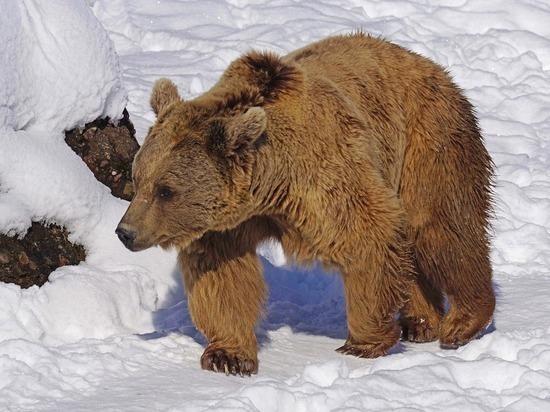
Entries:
{"x":59,"y":68}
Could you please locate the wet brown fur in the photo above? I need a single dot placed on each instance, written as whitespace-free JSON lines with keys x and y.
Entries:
{"x":351,"y":151}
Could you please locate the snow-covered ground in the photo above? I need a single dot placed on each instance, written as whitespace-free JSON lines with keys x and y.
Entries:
{"x":114,"y":334}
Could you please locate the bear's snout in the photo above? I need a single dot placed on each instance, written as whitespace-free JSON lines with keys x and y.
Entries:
{"x":126,"y":235}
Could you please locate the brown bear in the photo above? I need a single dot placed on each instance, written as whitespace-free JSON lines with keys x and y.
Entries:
{"x":352,"y":151}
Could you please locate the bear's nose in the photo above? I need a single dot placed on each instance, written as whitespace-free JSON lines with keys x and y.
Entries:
{"x":126,"y":236}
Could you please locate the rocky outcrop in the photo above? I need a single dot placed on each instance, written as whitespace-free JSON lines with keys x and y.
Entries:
{"x":108,"y":150}
{"x":30,"y":260}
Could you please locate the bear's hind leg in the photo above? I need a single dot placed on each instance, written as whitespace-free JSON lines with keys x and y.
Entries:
{"x":226,"y":294}
{"x":460,"y":262}
{"x":471,"y":312}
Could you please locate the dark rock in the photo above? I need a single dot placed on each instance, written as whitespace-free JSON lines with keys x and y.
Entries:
{"x":29,"y":261}
{"x":109,"y":151}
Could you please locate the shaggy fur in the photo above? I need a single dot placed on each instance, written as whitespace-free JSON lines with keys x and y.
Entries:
{"x":351,"y":151}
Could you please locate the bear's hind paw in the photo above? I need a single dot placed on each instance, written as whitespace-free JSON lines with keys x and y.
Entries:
{"x":458,"y":330}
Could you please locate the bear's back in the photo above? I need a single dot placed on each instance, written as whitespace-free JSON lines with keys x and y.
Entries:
{"x":362,"y":60}
{"x":378,"y":82}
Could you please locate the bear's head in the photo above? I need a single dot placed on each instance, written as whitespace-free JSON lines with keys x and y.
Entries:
{"x":194,"y":170}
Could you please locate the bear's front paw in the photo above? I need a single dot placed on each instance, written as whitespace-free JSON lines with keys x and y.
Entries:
{"x":369,"y":350}
{"x":220,"y":360}
{"x":419,"y":330}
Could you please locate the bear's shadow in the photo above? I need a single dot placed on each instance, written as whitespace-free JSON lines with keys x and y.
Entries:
{"x":308,"y":301}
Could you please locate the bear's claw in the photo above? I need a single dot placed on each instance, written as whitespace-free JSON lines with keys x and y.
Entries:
{"x":219,"y":360}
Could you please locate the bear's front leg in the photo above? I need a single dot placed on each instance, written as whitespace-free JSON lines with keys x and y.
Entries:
{"x":226,"y":294}
{"x":371,"y":321}
{"x":422,"y":313}
{"x":373,"y":297}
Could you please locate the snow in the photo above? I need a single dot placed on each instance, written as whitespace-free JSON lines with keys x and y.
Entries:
{"x":53,"y":47}
{"x":113,"y":333}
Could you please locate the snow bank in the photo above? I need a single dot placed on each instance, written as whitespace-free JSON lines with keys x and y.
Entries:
{"x":60,"y":70}
{"x":498,"y":371}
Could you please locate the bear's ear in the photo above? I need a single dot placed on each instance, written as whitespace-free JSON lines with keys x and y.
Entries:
{"x":243,"y":131}
{"x":164,"y":93}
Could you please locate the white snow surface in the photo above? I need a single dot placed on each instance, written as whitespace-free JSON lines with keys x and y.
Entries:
{"x":114,"y":334}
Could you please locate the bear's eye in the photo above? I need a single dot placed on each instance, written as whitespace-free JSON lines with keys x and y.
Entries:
{"x":164,"y":193}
